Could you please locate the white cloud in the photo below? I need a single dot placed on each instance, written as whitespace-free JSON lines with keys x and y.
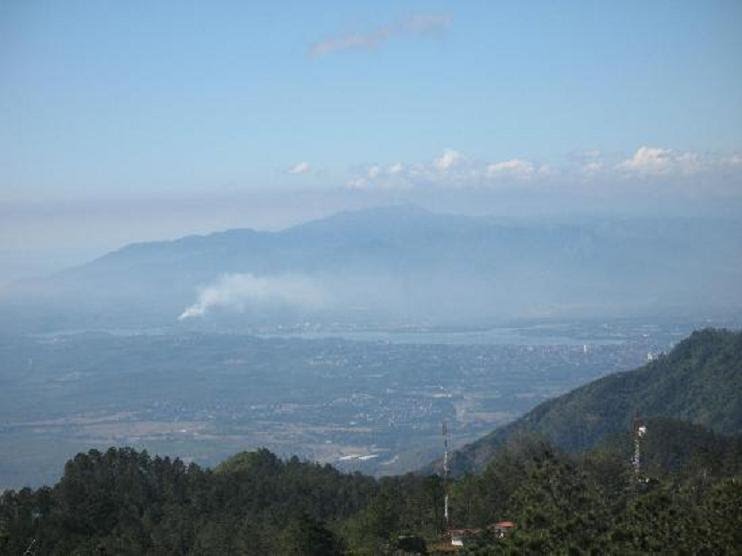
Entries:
{"x":451,"y":169}
{"x":586,"y":164}
{"x":447,"y":160}
{"x":395,"y":169}
{"x":733,"y":160}
{"x":657,"y":161}
{"x":237,"y":292}
{"x":300,"y":168}
{"x":649,"y":160}
{"x":357,"y":183}
{"x":416,"y":25}
{"x":515,"y":168}
{"x":590,"y":154}
{"x":592,"y":168}
{"x":380,"y":177}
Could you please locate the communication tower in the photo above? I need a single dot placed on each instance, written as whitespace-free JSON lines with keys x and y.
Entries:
{"x":31,"y":550}
{"x":639,"y":431}
{"x":444,"y":433}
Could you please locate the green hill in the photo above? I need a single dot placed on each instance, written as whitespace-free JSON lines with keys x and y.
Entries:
{"x":698,"y":382}
{"x":126,"y":502}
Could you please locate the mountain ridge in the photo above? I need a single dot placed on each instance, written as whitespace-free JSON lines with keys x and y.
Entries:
{"x":697,"y":382}
{"x":411,"y":265}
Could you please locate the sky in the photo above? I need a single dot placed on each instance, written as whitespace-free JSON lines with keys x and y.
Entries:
{"x":127,"y":121}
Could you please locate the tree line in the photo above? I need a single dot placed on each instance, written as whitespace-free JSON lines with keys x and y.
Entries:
{"x":122,"y":501}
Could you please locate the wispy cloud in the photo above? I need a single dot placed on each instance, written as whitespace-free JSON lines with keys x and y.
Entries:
{"x":239,"y":292}
{"x":416,"y":25}
{"x":300,"y":168}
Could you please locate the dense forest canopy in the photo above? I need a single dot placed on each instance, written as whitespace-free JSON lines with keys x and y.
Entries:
{"x":127,"y":502}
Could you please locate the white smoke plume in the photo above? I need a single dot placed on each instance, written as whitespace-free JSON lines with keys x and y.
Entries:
{"x":237,"y":292}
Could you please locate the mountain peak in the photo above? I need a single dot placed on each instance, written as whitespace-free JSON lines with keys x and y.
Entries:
{"x":378,"y":213}
{"x":371,"y":221}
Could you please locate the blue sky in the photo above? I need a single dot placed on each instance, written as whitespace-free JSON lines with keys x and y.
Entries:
{"x":174,"y":101}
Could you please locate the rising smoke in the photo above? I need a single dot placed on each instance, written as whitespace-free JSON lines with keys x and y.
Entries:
{"x":240,"y":292}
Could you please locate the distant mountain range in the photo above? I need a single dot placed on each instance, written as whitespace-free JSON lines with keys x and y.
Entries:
{"x":396,"y":264}
{"x":698,"y":382}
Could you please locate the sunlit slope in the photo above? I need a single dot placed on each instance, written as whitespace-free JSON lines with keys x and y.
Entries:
{"x":699,"y":381}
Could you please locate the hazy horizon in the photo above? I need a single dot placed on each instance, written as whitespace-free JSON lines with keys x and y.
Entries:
{"x":28,"y":249}
{"x":133,"y":122}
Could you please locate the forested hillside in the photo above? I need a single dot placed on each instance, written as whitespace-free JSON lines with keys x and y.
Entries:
{"x":125,"y":502}
{"x":699,"y":381}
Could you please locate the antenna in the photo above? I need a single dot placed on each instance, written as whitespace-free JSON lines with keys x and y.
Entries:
{"x":639,"y":431}
{"x":30,"y":551}
{"x":444,"y":433}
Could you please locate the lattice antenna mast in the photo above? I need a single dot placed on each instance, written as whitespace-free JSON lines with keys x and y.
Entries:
{"x":444,"y":432}
{"x":31,"y":550}
{"x":639,"y":431}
